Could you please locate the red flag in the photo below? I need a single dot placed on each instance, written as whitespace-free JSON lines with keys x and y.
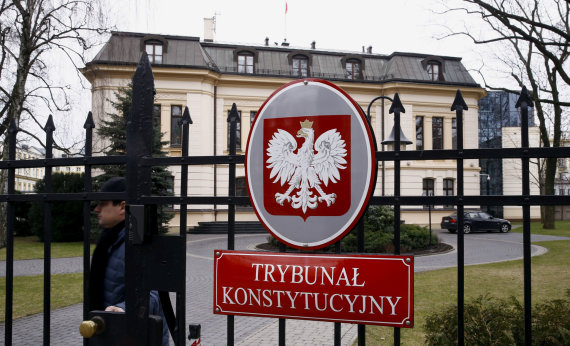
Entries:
{"x":285,"y":7}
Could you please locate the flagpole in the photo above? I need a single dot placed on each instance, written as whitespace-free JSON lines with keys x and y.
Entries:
{"x":285,"y":21}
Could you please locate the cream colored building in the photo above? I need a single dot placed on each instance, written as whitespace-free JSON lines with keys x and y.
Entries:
{"x":512,"y":168}
{"x":209,"y":77}
{"x":26,"y":178}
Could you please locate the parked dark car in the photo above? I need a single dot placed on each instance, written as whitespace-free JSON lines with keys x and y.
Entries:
{"x":476,"y":221}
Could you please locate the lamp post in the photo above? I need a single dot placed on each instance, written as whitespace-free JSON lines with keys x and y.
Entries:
{"x":487,"y":188}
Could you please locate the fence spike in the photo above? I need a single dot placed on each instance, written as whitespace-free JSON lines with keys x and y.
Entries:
{"x":50,"y":126}
{"x":397,"y":105}
{"x":13,"y":127}
{"x":459,"y":101}
{"x":524,"y":97}
{"x":143,"y":91}
{"x":186,"y":119}
{"x":89,"y":123}
{"x":234,"y":115}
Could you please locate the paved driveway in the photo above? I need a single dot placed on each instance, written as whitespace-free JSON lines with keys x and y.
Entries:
{"x":479,"y":248}
{"x":482,"y":248}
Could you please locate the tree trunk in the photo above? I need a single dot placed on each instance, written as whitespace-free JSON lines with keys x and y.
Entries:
{"x":550,"y":173}
{"x":4,"y":189}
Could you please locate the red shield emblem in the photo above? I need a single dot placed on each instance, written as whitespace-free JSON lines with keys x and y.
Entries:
{"x":307,"y":165}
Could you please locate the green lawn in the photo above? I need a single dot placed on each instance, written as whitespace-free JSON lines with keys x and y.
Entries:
{"x":435,"y":289}
{"x":66,"y":289}
{"x":562,"y":228}
{"x":32,"y":248}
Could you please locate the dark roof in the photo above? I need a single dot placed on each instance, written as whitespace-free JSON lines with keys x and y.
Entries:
{"x":125,"y":48}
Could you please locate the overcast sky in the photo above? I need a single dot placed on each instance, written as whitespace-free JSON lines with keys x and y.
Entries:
{"x":386,"y":25}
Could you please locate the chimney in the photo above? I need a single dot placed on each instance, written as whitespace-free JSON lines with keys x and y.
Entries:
{"x":369,"y":50}
{"x":285,"y":43}
{"x":209,"y":29}
{"x":363,"y":49}
{"x":267,"y":41}
{"x":313,"y":45}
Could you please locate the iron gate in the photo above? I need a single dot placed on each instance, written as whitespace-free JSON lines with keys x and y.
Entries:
{"x":145,"y":249}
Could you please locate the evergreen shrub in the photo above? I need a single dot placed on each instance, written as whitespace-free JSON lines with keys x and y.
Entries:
{"x":66,"y":217}
{"x":493,"y":321}
{"x":379,"y":234}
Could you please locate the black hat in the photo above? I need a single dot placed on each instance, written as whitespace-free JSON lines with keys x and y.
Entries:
{"x":115,"y":184}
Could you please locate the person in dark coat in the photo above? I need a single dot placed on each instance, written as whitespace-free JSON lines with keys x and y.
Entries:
{"x":107,"y":282}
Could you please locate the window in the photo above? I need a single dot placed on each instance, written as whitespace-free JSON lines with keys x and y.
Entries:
{"x":454,"y":133}
{"x":175,"y":127}
{"x":428,"y":188}
{"x":437,"y":133}
{"x":300,"y":66}
{"x":154,"y":51}
{"x":156,"y":116}
{"x":241,"y":189}
{"x":419,"y":133}
{"x":562,"y":163}
{"x":238,"y":132}
{"x":252,"y":115}
{"x":448,"y":190}
{"x":353,"y":70}
{"x":433,"y":70}
{"x":170,"y":192}
{"x":245,"y":62}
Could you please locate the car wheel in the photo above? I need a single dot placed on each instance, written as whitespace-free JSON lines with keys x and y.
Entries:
{"x":466,"y":229}
{"x":505,"y":228}
{"x":451,"y":230}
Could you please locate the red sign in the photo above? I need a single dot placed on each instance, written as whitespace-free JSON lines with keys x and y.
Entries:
{"x":367,"y":289}
{"x":329,"y":133}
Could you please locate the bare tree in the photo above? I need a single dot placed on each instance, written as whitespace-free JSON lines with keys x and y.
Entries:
{"x":532,"y":38}
{"x":32,"y":34}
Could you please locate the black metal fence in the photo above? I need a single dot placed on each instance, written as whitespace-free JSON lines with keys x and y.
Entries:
{"x":167,"y":263}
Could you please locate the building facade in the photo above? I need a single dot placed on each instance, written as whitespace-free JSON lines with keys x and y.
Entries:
{"x":209,"y":77}
{"x":499,"y":127}
{"x":26,"y":178}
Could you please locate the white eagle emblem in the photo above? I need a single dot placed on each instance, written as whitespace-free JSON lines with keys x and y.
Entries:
{"x":305,"y":170}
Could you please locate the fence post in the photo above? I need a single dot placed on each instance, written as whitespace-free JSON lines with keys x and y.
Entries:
{"x":49,"y":129}
{"x":12,"y":131}
{"x":88,"y":126}
{"x":139,"y":145}
{"x":397,"y":108}
{"x":523,"y":103}
{"x":458,"y":106}
{"x":233,"y":118}
{"x":181,"y":296}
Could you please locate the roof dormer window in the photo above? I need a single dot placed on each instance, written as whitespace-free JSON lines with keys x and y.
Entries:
{"x":300,"y":66}
{"x":433,"y":69}
{"x":353,"y":69}
{"x":154,"y":50}
{"x":245,"y":62}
